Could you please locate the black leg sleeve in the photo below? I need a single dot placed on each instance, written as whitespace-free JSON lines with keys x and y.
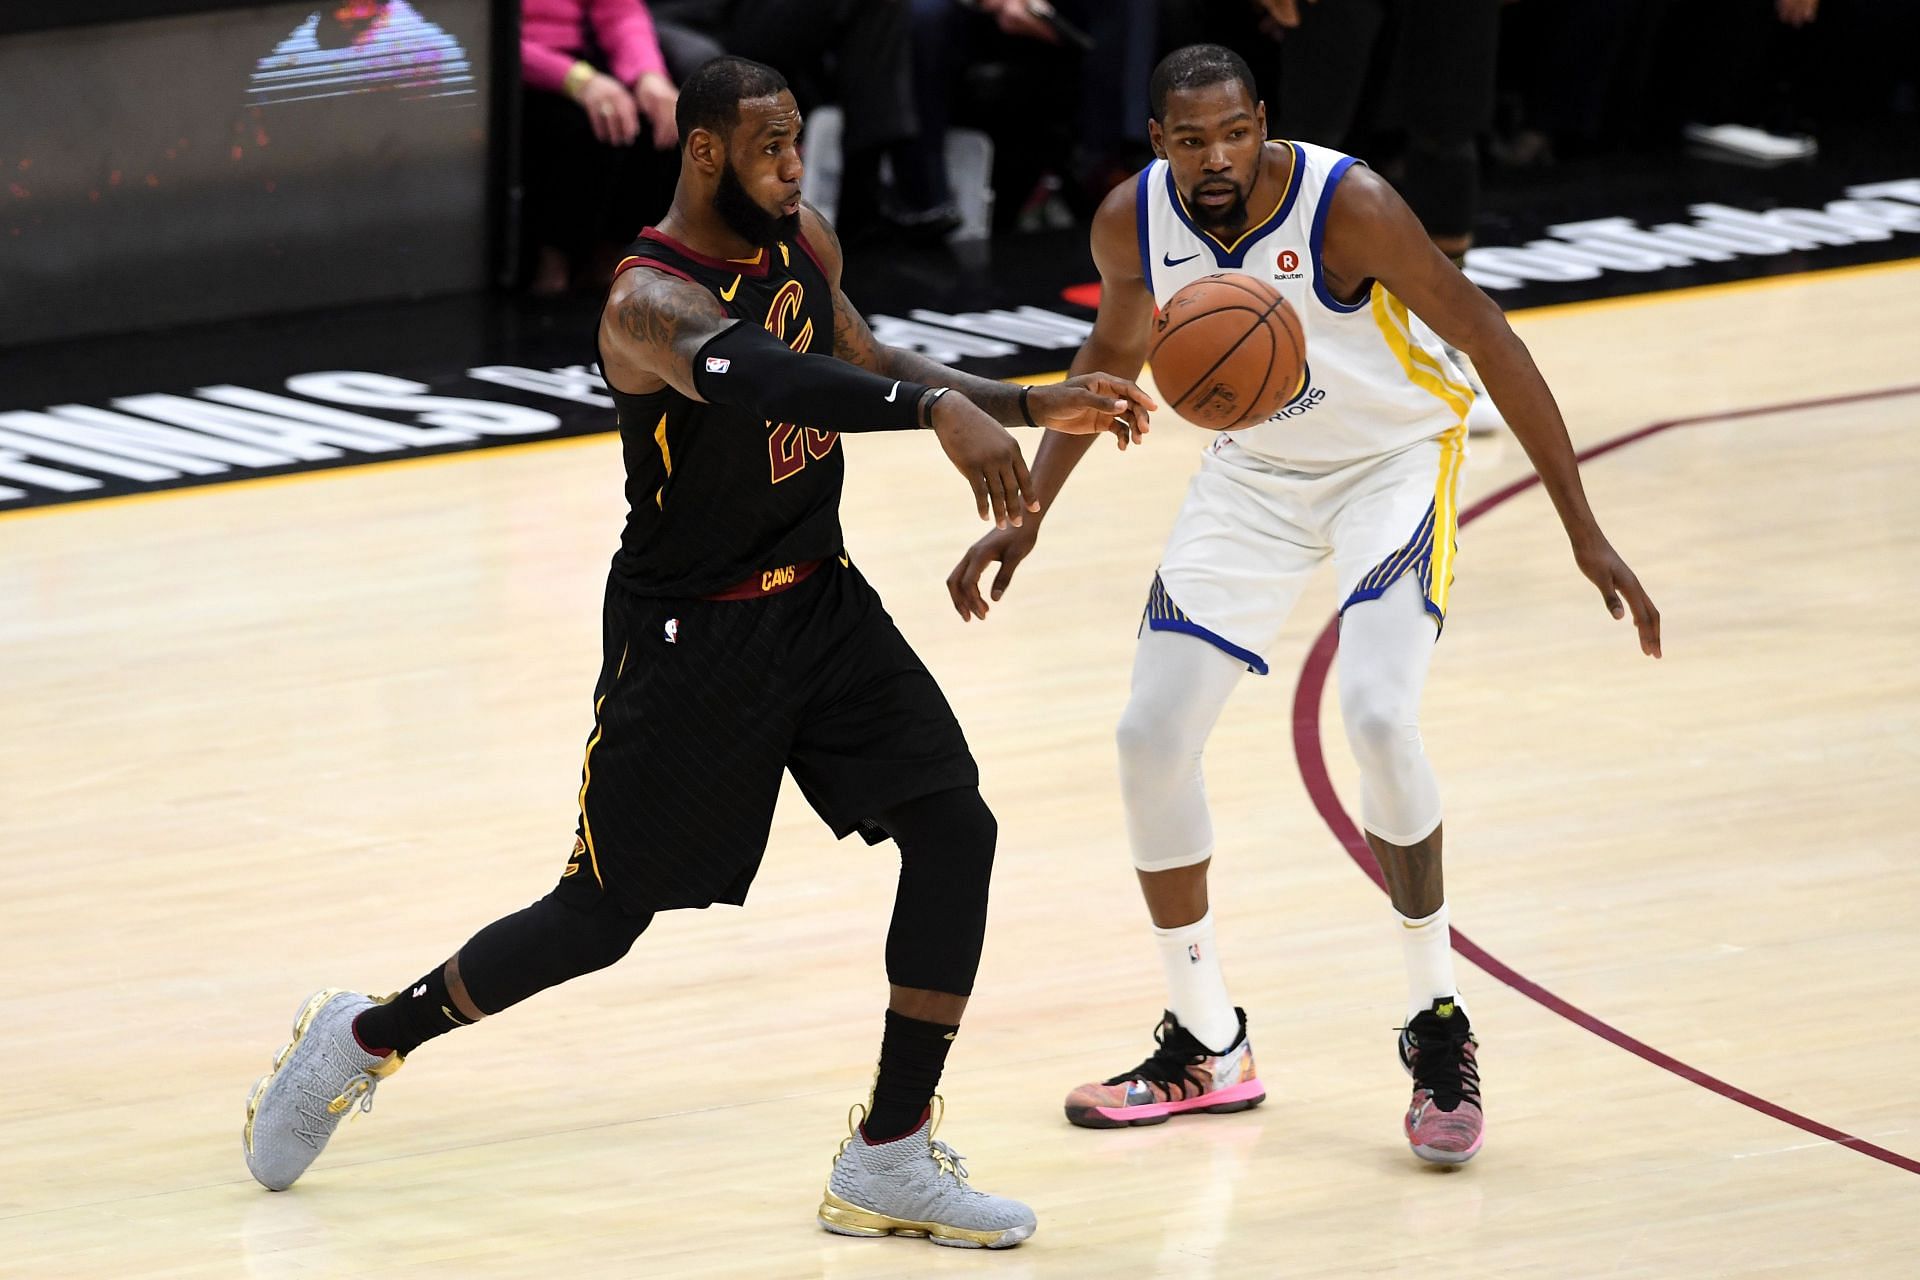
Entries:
{"x":940,"y":910}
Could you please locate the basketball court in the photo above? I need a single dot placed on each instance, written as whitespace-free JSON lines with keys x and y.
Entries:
{"x":314,"y":730}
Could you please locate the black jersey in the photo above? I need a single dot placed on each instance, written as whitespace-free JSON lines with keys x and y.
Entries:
{"x":715,"y":496}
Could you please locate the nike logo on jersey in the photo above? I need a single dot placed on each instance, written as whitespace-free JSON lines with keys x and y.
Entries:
{"x":726,"y":294}
{"x":891,"y":394}
{"x":1172,"y":261}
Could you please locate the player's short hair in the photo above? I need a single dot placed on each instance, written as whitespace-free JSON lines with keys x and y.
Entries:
{"x":711,"y":97}
{"x":1195,"y":66}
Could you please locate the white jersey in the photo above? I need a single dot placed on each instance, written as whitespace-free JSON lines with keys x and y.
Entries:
{"x":1377,"y":380}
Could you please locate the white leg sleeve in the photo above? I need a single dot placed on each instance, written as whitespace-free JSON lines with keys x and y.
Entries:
{"x":1180,"y":685}
{"x":1386,"y":646}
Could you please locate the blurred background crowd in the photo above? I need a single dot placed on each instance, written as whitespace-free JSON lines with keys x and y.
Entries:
{"x":957,"y":118}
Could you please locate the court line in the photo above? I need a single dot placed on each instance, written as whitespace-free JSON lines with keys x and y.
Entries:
{"x":1310,"y":692}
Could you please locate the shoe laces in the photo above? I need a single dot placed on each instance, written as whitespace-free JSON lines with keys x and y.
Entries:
{"x":1171,"y":1063}
{"x":951,"y":1162}
{"x":359,"y":1090}
{"x":1440,"y":1060}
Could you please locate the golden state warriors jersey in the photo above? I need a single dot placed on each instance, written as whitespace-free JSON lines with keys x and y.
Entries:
{"x":1377,"y":380}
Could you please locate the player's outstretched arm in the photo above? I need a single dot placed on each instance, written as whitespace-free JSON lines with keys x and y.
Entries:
{"x":1092,"y":403}
{"x":659,"y":330}
{"x":1373,"y":235}
{"x":1118,"y":343}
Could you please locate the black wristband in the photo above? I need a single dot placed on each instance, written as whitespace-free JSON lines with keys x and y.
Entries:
{"x":928,"y":399}
{"x":1026,"y":412}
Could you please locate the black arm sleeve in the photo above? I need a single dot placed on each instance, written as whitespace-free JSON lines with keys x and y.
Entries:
{"x":749,"y":368}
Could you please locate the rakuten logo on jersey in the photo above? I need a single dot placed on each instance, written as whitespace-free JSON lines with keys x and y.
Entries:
{"x":1289,"y":264}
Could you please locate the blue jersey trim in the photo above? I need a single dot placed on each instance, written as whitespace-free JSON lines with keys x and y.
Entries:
{"x":1318,"y":235}
{"x":1162,"y":614}
{"x":1140,"y":210}
{"x":1255,"y":663}
{"x":1236,"y":256}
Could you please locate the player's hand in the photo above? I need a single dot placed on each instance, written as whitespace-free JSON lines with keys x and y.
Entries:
{"x":1007,"y":546}
{"x":1020,"y":18}
{"x":1284,"y":14}
{"x":988,"y":456}
{"x":1092,"y":403}
{"x":655,"y":97}
{"x":610,"y":110}
{"x":1607,"y":571}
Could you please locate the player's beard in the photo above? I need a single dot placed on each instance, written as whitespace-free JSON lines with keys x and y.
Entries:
{"x":1228,"y":217}
{"x":744,"y":216}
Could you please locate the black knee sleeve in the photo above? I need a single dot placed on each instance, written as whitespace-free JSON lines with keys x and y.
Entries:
{"x":543,"y":946}
{"x":940,"y":910}
{"x":1442,"y":184}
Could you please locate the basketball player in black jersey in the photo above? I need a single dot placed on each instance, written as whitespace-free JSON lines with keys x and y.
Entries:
{"x":739,"y":640}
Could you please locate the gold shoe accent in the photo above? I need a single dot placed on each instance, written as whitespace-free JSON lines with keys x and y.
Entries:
{"x":852,"y":1219}
{"x":301,"y":1022}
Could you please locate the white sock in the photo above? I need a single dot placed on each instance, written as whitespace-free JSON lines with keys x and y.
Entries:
{"x":1196,"y":991}
{"x":1429,"y":951}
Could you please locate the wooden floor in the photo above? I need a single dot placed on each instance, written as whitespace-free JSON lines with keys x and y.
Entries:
{"x":270,"y":737}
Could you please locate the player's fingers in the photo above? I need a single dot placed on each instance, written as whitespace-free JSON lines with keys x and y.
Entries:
{"x":996,"y":494}
{"x":1646,"y":618}
{"x":1133,"y":392}
{"x":1023,"y":481}
{"x":1612,"y":601}
{"x":963,"y":584}
{"x":979,"y":483}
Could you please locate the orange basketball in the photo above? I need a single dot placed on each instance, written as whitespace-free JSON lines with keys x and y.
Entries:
{"x":1227,"y":352}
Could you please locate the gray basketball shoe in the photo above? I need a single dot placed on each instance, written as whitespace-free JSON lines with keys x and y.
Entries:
{"x":914,"y":1186}
{"x":316,"y":1080}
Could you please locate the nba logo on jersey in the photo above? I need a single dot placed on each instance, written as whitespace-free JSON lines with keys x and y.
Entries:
{"x":673,"y":631}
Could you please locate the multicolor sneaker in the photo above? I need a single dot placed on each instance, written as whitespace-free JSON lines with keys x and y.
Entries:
{"x":316,"y":1080}
{"x":1444,"y":1123}
{"x":914,"y":1186}
{"x":1182,"y":1075}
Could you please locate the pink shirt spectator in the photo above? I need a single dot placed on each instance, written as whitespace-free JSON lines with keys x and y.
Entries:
{"x":553,"y":34}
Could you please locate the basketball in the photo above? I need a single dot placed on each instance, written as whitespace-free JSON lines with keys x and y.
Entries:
{"x":1227,"y":352}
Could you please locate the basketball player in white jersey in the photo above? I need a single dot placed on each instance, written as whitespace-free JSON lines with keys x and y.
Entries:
{"x":1362,"y":468}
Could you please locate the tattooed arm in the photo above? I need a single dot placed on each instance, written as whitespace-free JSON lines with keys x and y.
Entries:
{"x":1090,"y":403}
{"x":652,"y":327}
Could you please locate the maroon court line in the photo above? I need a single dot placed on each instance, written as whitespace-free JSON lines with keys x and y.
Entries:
{"x":1313,"y":772}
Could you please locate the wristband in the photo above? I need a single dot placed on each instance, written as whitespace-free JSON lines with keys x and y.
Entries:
{"x":1024,"y":411}
{"x":927,"y":401}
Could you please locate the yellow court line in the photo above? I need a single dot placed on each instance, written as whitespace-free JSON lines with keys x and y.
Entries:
{"x":375,"y":463}
{"x":1729,"y":286}
{"x":469,"y":455}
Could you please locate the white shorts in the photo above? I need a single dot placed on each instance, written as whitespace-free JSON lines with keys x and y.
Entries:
{"x":1251,"y":533}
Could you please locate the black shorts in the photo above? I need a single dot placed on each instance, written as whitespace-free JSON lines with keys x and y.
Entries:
{"x":702,"y":703}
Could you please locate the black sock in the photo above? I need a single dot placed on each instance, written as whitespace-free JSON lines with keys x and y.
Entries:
{"x":412,"y":1017}
{"x":515,"y":957}
{"x":912,"y":1055}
